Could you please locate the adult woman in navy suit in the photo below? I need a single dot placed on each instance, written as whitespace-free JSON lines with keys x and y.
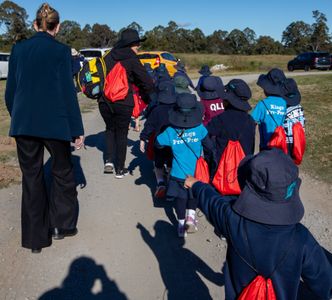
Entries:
{"x":41,"y":99}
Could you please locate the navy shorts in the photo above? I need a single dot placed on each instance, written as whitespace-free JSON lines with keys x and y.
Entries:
{"x":163,"y":156}
{"x":176,"y":189}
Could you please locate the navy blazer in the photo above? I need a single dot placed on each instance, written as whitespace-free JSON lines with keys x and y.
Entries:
{"x":40,"y":92}
{"x":263,"y":246}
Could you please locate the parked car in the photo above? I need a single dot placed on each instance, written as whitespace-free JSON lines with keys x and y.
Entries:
{"x":331,"y":62}
{"x":310,"y":60}
{"x":90,"y":53}
{"x":155,"y":58}
{"x":4,"y":58}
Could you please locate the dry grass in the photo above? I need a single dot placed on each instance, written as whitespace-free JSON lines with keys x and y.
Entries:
{"x":236,"y":63}
{"x":316,"y":94}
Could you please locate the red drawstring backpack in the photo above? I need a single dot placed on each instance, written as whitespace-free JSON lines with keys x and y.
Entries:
{"x":202,"y":172}
{"x":139,"y":104}
{"x":299,"y":143}
{"x":278,"y":138}
{"x":116,"y":83}
{"x":260,"y":288}
{"x":225,"y":179}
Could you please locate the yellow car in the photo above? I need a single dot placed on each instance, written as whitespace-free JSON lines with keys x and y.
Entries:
{"x":155,"y":58}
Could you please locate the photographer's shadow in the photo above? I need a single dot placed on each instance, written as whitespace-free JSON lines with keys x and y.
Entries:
{"x":79,"y":283}
{"x":179,"y":267}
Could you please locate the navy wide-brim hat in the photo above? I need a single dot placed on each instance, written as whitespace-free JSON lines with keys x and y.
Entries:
{"x":291,"y":92}
{"x":270,"y":189}
{"x":187,"y":112}
{"x":271,"y":82}
{"x":211,"y":88}
{"x":205,"y":70}
{"x":166,"y":92}
{"x":238,"y":93}
{"x":128,"y":37}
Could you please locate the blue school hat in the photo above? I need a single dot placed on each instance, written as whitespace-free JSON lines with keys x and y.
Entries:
{"x":205,"y":70}
{"x":166,"y":92}
{"x":272,"y":82}
{"x":270,"y":189}
{"x":212,"y":87}
{"x":187,"y":112}
{"x":291,"y":92}
{"x":181,"y":84}
{"x":237,"y":93}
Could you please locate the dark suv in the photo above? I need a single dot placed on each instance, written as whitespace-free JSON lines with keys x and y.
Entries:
{"x":310,"y":60}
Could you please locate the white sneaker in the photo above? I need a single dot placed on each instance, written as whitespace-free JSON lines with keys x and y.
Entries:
{"x":191,"y":225}
{"x":108,"y":168}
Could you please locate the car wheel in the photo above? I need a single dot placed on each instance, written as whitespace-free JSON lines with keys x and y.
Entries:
{"x":290,"y":68}
{"x":306,"y":68}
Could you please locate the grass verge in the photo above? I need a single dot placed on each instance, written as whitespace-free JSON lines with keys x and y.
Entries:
{"x":316,"y":94}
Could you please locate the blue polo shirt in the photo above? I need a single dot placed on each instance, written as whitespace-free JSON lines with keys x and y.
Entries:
{"x":275,"y":106}
{"x":184,"y":161}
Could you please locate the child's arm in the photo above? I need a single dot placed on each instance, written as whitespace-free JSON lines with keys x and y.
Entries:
{"x":149,"y":127}
{"x":317,"y":269}
{"x":258,"y":112}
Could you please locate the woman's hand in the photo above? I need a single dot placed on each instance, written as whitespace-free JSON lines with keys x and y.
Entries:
{"x":79,"y":142}
{"x":142,"y":146}
{"x":189,"y":182}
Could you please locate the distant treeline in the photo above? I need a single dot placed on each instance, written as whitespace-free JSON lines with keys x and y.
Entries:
{"x":297,"y":36}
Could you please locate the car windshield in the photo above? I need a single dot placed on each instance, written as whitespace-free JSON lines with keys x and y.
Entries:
{"x":324,"y":54}
{"x":147,"y":56}
{"x":168,"y":56}
{"x":91,"y":53}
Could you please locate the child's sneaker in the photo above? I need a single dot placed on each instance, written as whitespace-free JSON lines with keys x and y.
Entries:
{"x":108,"y":168}
{"x":182,"y":231}
{"x":119,"y":174}
{"x":191,"y":225}
{"x":161,"y":190}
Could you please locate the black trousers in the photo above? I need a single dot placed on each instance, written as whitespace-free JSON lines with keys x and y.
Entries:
{"x":117,"y":118}
{"x":41,"y":212}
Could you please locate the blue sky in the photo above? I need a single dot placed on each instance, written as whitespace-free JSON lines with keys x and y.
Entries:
{"x":264,"y":17}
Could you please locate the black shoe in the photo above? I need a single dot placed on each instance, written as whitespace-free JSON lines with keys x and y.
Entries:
{"x":36,"y":250}
{"x":119,"y":174}
{"x":59,"y":234}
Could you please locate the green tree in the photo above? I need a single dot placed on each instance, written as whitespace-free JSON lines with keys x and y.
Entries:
{"x":71,"y":34}
{"x":14,"y":17}
{"x":296,"y":37}
{"x":216,"y":42}
{"x":267,"y":45}
{"x":237,"y":42}
{"x":102,"y":36}
{"x":320,"y":32}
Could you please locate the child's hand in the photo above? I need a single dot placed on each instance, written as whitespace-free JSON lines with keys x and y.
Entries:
{"x":142,"y":146}
{"x":189,"y":182}
{"x":79,"y":142}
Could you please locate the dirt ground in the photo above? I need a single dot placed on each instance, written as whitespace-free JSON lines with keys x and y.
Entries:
{"x":127,"y":246}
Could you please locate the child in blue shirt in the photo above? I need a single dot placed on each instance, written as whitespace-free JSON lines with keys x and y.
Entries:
{"x":186,"y":136}
{"x":270,"y":112}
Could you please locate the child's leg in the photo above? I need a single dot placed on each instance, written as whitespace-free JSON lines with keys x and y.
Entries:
{"x":159,"y":172}
{"x":180,"y":209}
{"x":137,"y":124}
{"x":191,"y":223}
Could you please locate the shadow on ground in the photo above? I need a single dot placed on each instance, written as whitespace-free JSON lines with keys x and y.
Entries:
{"x":80,"y":282}
{"x":180,"y":268}
{"x":147,"y":177}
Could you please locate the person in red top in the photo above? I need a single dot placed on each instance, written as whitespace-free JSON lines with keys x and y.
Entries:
{"x":211,"y":92}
